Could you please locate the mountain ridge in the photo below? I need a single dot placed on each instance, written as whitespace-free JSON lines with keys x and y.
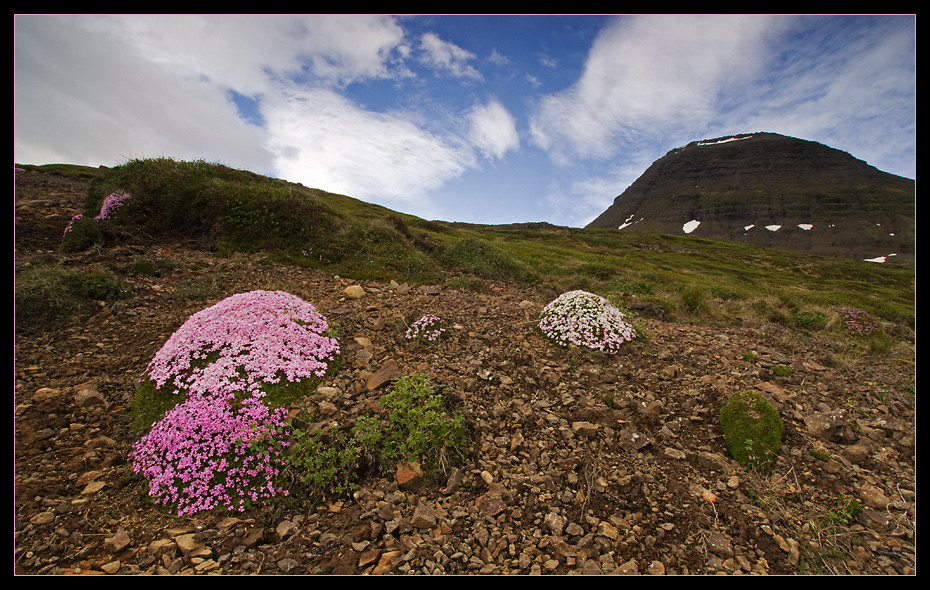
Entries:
{"x":771,"y":190}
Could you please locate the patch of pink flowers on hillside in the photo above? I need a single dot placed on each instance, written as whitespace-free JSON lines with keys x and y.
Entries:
{"x":222,"y":445}
{"x":266,"y":335}
{"x":204,"y":454}
{"x":110,"y":204}
{"x":585,"y":319}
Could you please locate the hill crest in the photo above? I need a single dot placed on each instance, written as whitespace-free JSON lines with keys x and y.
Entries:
{"x":771,"y":190}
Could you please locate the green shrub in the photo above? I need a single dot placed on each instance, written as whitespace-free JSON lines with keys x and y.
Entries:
{"x":82,"y":233}
{"x":483,"y":259}
{"x":751,"y":429}
{"x":324,"y":464}
{"x":47,"y":294}
{"x":42,"y":298}
{"x":98,"y":286}
{"x":813,"y":320}
{"x":781,"y":370}
{"x":693,"y":299}
{"x":419,"y":427}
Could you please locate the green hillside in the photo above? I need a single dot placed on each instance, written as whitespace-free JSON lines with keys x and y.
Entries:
{"x":724,"y":283}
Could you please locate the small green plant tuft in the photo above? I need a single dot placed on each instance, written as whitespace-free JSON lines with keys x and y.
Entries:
{"x":419,"y":428}
{"x":325,"y":464}
{"x":81,"y":234}
{"x":98,"y":286}
{"x":751,"y":428}
{"x":781,"y":370}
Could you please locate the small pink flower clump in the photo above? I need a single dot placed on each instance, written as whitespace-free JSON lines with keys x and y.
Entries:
{"x":71,"y":223}
{"x":428,"y":327}
{"x":858,"y":321}
{"x":222,"y":445}
{"x":586,"y":319}
{"x":110,"y":204}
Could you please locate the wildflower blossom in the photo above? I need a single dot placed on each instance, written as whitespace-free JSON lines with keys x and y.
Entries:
{"x":428,"y":327}
{"x":77,"y":217}
{"x":222,"y":445}
{"x":858,"y":321}
{"x":585,"y":319}
{"x":260,"y":336}
{"x":195,"y":457}
{"x":110,"y":204}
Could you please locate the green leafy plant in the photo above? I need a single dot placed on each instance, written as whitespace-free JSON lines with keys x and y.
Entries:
{"x":781,"y":370}
{"x":752,"y":429}
{"x":99,"y":286}
{"x":845,"y":511}
{"x":81,"y":233}
{"x":324,"y":463}
{"x":419,"y":427}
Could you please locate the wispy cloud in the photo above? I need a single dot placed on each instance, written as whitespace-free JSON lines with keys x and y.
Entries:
{"x":322,"y":140}
{"x":447,"y":57}
{"x":645,"y":74}
{"x":493,"y":129}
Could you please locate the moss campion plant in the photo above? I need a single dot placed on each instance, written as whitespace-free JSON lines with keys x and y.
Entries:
{"x":751,"y":429}
{"x":221,"y":438}
{"x":428,"y":328}
{"x":585,"y":319}
{"x":858,"y":322}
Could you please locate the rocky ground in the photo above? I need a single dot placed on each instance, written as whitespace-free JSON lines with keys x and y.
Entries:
{"x":557,"y":482}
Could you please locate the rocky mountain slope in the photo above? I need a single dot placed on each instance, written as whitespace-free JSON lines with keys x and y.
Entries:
{"x":771,"y":190}
{"x":558,"y":480}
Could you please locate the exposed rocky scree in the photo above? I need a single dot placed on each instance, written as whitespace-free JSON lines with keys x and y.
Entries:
{"x":557,"y":480}
{"x":812,"y":198}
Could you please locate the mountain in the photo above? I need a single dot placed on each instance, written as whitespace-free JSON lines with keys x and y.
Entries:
{"x":772,"y":190}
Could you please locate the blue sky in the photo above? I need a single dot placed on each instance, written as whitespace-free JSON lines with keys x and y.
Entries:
{"x":485,"y":119}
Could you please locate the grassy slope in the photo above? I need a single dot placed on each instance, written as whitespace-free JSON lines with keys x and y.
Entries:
{"x":722,"y":283}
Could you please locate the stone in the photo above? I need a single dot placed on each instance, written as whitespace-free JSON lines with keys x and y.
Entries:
{"x":490,"y":504}
{"x":44,"y":394}
{"x":354,"y":292}
{"x":117,"y":542}
{"x":384,"y":564}
{"x":630,"y":568}
{"x":87,"y":396}
{"x":423,"y":517}
{"x":605,"y":529}
{"x":409,"y":476}
{"x":285,"y":529}
{"x":718,"y":543}
{"x":632,"y":440}
{"x":555,"y":523}
{"x":327,"y":409}
{"x":387,"y":373}
{"x":187,"y":545}
{"x":584,"y":429}
{"x":111,"y":567}
{"x":873,"y":497}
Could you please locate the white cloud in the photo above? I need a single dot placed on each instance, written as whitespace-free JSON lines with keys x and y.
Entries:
{"x":246,"y":52}
{"x":447,"y":57}
{"x":322,"y":140}
{"x":124,"y":106}
{"x":493,"y":129}
{"x":646,"y":73}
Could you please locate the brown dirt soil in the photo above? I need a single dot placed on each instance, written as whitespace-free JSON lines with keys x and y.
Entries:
{"x":557,"y":480}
